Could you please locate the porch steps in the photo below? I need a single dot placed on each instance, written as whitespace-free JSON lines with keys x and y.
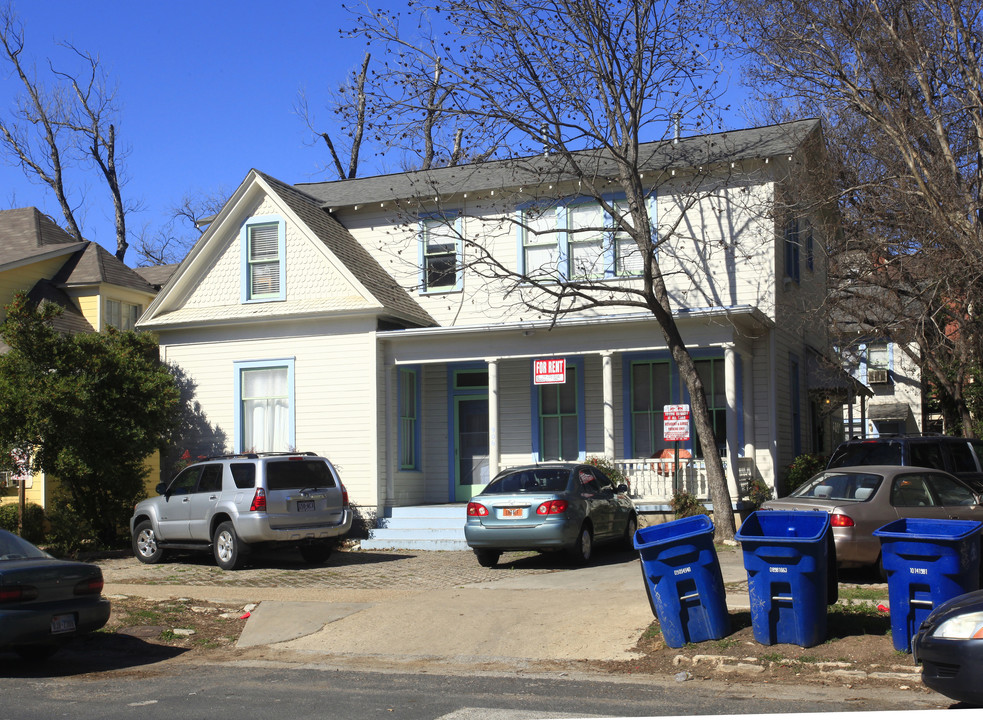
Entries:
{"x":420,"y":527}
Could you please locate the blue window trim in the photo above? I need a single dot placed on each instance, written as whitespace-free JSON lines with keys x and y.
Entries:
{"x":563,"y":233}
{"x":238,"y":367}
{"x":401,"y":388}
{"x":576,"y":362}
{"x":458,"y":253}
{"x":677,"y":390}
{"x":244,"y":286}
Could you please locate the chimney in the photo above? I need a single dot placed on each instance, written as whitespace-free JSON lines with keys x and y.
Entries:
{"x":677,"y":126}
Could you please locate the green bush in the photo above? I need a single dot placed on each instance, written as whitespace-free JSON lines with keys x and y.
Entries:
{"x":33,"y":521}
{"x":610,"y":469}
{"x":801,"y":469}
{"x":70,"y":531}
{"x":758,"y":492}
{"x":684,"y":504}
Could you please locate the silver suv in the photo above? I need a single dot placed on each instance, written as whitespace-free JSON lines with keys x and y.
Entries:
{"x":234,"y":504}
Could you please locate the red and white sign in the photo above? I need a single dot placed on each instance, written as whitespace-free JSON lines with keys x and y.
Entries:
{"x":675,"y":422}
{"x":549,"y":372}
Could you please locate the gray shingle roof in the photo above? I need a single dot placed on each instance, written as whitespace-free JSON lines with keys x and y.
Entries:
{"x":157,"y":275}
{"x":94,"y":264}
{"x":348,"y":250}
{"x":734,"y":146}
{"x":27,"y":232}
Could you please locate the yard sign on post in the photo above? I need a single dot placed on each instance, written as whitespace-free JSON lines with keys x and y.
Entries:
{"x":549,"y":372}
{"x":675,"y":428}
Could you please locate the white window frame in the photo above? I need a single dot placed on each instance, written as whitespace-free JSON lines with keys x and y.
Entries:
{"x":534,"y":235}
{"x":247,"y":263}
{"x":120,"y":314}
{"x":452,"y":225}
{"x":240,"y":422}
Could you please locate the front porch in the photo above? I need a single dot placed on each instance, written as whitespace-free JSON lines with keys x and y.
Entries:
{"x":440,"y":526}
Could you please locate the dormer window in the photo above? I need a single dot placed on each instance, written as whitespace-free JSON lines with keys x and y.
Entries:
{"x":263,"y":243}
{"x":121,"y":315}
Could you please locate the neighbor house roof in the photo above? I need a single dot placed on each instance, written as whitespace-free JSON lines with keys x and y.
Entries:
{"x":735,"y":146}
{"x":27,"y":234}
{"x":94,"y":264}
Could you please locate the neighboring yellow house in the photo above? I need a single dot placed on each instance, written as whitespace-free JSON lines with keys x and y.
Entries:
{"x":95,"y":289}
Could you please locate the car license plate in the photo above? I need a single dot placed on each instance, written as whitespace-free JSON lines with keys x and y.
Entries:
{"x":511,"y":512}
{"x":62,"y":624}
{"x":305,"y":506}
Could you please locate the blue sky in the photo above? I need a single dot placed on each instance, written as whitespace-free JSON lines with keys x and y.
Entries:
{"x":207,"y":90}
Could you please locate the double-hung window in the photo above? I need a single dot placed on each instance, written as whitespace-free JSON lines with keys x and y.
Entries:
{"x":559,"y":422}
{"x":587,"y":229}
{"x":540,"y":242}
{"x":121,"y":315}
{"x":651,"y":391}
{"x":792,"y":249}
{"x":628,"y":258}
{"x":264,"y":406}
{"x":440,"y":251}
{"x":263,"y":248}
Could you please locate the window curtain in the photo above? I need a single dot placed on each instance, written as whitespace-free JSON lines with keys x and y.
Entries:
{"x":265,"y":410}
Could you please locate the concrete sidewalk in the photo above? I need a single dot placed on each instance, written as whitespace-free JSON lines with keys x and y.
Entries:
{"x":592,"y":613}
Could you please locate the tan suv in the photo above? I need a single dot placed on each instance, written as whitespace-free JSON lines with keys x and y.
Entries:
{"x":234,"y":504}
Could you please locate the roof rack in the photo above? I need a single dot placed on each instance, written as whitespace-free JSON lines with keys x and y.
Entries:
{"x":254,"y":455}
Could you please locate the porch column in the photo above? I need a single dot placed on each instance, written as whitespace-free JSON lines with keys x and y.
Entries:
{"x":730,"y":383}
{"x":392,"y":447}
{"x":607,"y":384}
{"x":494,"y":452}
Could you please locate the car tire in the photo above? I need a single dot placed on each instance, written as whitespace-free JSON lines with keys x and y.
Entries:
{"x":35,"y":653}
{"x":146,"y":548}
{"x":488,"y":558}
{"x":580,"y":552}
{"x":228,"y":549}
{"x":316,"y":553}
{"x":628,"y":542}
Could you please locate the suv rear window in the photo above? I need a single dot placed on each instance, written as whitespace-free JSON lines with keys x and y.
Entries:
{"x":962,"y":457}
{"x":298,"y":474}
{"x":872,"y":453}
{"x":244,"y":475}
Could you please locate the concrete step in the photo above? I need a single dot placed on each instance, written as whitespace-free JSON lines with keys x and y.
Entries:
{"x":420,"y":527}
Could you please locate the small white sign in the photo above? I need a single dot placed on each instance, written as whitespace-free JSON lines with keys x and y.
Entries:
{"x":552,"y":371}
{"x":675,"y":423}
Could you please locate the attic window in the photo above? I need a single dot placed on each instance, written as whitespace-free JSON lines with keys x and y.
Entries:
{"x":263,"y":259}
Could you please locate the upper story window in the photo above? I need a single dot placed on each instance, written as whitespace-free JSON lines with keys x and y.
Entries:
{"x":122,"y":315}
{"x":263,"y":261}
{"x":579,"y":240}
{"x":440,"y":254}
{"x":792,"y":249}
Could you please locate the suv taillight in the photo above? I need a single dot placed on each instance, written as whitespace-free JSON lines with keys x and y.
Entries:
{"x":259,"y":501}
{"x":344,"y":495}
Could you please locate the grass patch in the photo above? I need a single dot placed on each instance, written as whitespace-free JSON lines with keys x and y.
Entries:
{"x":853,"y":592}
{"x":653,"y":631}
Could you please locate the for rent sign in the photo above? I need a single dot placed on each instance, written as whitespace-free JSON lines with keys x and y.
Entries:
{"x":675,"y":422}
{"x":549,"y":372}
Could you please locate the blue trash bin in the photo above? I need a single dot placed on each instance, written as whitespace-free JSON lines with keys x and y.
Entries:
{"x":786,"y":555}
{"x":683,"y":580}
{"x":927,"y":562}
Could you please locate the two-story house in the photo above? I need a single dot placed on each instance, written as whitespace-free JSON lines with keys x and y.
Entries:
{"x":94,"y":289}
{"x":360,"y":319}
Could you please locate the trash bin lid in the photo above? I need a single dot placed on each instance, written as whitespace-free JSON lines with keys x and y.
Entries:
{"x":785,"y":526}
{"x":672,"y":531}
{"x":929,"y":529}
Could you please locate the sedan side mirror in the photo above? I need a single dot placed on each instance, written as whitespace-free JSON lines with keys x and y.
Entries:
{"x":622,"y":488}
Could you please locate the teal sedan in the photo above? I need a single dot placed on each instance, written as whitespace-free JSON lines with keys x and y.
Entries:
{"x":566,"y":507}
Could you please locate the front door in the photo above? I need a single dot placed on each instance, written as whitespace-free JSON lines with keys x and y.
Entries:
{"x":470,"y":446}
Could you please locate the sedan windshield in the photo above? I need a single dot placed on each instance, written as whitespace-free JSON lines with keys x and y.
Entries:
{"x":13,"y":547}
{"x":855,"y":487}
{"x":532,"y":480}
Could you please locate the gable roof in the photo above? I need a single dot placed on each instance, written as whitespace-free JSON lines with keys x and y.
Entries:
{"x":725,"y":147}
{"x":27,"y":233}
{"x":350,"y":252}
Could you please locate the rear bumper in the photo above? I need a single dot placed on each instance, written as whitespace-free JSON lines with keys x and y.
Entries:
{"x":255,"y":528}
{"x":545,"y":536}
{"x":951,"y":667}
{"x":31,"y":625}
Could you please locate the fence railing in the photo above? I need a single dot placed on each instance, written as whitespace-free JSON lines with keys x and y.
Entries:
{"x":657,"y":479}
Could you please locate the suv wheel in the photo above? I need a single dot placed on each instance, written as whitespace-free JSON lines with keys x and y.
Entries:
{"x":145,"y":546}
{"x":316,"y":553}
{"x":227,"y":546}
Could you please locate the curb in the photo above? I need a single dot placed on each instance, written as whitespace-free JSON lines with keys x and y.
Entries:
{"x":755,"y":666}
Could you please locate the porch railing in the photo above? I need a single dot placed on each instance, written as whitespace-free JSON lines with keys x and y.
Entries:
{"x":654,"y":480}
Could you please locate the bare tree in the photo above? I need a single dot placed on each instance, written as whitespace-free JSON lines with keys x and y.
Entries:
{"x":170,"y":242}
{"x":583,"y":82}
{"x":900,"y":85}
{"x":72,"y":124}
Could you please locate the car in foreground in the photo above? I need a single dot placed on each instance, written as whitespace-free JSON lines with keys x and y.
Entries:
{"x":235,"y":504}
{"x":949,"y":647}
{"x":45,"y":602}
{"x":862,"y":499}
{"x":550,"y":507}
